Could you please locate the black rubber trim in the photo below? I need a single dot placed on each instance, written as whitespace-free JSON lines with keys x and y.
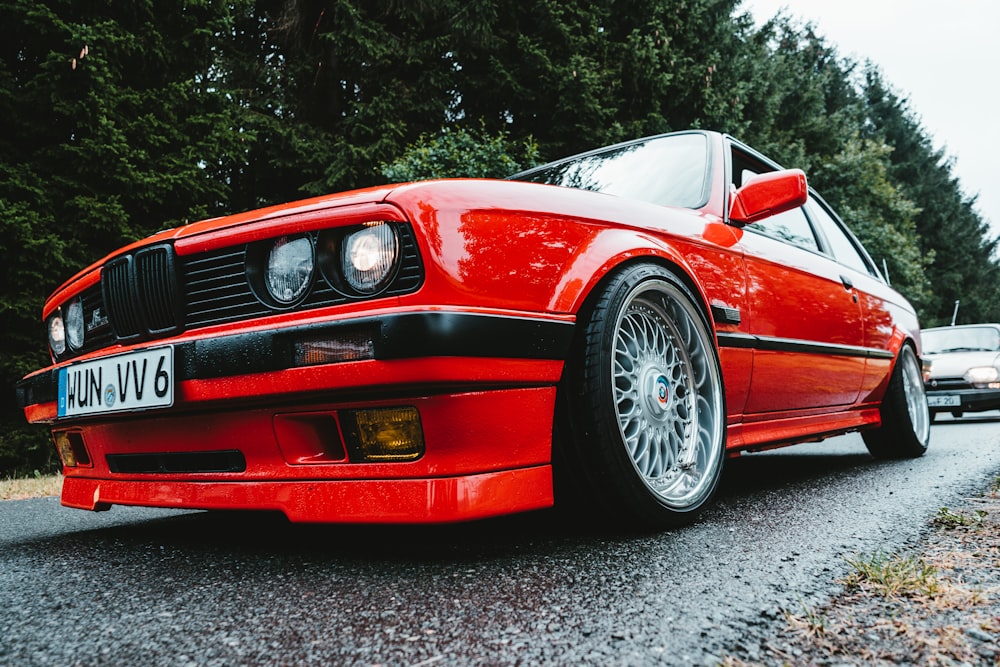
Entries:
{"x":41,"y":388}
{"x":765,"y":343}
{"x":230,"y":460}
{"x":403,"y":336}
{"x":726,"y":314}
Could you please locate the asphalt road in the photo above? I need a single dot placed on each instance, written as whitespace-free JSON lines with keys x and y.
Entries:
{"x":149,"y":587}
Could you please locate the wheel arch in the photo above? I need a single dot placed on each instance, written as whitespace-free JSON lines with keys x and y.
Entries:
{"x":900,"y":340}
{"x":650,"y":252}
{"x":591,"y":453}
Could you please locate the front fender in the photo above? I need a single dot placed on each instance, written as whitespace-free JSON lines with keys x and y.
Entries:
{"x":538,"y":248}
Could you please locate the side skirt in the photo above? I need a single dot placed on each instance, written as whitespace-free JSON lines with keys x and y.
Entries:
{"x":778,"y":431}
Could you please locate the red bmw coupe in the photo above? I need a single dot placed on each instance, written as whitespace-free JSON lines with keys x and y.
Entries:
{"x":623,"y":320}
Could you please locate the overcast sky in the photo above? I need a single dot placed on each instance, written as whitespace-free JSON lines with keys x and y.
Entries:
{"x":943,"y":57}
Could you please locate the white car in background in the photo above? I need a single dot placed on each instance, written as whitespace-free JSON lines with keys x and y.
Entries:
{"x":964,"y":368}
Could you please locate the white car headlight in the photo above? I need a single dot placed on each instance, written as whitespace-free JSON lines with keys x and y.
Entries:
{"x":368,"y":257}
{"x":982,"y":377}
{"x":57,"y":333}
{"x":290,"y":266}
{"x":75,"y":330}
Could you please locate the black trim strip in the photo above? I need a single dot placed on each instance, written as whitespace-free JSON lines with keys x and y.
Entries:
{"x":403,"y":336}
{"x":766,"y":343}
{"x":228,"y":460}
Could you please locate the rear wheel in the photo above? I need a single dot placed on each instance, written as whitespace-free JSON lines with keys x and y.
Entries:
{"x":906,"y":420}
{"x":645,"y":403}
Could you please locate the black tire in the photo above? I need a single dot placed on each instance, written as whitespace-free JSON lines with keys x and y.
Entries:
{"x":906,"y":420}
{"x":642,"y":403}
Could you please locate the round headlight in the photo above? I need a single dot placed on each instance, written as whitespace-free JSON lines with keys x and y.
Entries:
{"x":368,"y":257}
{"x":74,"y":323}
{"x":57,"y":333}
{"x":289,"y":268}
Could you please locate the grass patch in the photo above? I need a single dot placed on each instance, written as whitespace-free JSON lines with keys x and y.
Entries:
{"x":38,"y":486}
{"x":892,"y":576}
{"x":811,"y":622}
{"x":946,"y":518}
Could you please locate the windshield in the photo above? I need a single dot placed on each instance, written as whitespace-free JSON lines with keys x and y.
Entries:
{"x":961,"y":340}
{"x":670,"y":171}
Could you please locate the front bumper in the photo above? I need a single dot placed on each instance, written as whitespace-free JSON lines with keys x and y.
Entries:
{"x":963,"y":400}
{"x":484,"y":387}
{"x":396,"y":336}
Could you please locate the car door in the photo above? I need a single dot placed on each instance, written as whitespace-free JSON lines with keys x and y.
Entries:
{"x":875,"y":296}
{"x":805,"y":316}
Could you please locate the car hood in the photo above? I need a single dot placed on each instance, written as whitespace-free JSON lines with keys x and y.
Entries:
{"x":955,"y":364}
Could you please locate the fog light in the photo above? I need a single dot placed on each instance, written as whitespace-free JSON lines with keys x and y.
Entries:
{"x":383,"y":434}
{"x":71,"y":448}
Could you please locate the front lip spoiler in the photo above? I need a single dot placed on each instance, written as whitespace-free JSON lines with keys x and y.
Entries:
{"x":398,"y":336}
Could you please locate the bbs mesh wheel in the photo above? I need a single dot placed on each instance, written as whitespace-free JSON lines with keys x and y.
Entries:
{"x":646,"y":406}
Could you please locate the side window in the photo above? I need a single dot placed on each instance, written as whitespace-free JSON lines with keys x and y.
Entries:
{"x":790,"y":226}
{"x":841,"y":246}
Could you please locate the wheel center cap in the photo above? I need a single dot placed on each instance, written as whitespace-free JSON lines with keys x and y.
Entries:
{"x":662,"y":390}
{"x":658,"y":394}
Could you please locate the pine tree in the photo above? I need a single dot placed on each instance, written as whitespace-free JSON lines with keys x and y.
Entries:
{"x":114,"y":127}
{"x":964,"y":266}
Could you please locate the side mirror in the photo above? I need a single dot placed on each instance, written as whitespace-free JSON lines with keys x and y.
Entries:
{"x":768,"y":194}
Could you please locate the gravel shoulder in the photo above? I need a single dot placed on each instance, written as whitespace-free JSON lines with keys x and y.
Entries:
{"x":936,"y":605}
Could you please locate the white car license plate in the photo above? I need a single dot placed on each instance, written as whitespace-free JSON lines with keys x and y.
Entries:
{"x":945,"y":401}
{"x":133,"y":381}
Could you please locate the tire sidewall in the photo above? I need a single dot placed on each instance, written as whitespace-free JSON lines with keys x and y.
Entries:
{"x":597,"y":434}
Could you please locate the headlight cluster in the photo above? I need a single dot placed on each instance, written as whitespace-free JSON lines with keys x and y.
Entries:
{"x":985,"y":377}
{"x":66,"y":327}
{"x":368,"y":257}
{"x":356,"y":261}
{"x":290,"y":265}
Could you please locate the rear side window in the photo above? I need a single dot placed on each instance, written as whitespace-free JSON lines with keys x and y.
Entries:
{"x":842,"y":247}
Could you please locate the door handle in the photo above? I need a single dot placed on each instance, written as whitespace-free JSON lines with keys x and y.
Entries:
{"x":848,"y":283}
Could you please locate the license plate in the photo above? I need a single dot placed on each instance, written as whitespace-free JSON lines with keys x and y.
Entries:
{"x":945,"y":401}
{"x":133,"y":381}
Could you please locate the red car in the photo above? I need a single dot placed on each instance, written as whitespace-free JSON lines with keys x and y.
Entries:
{"x":622,"y":321}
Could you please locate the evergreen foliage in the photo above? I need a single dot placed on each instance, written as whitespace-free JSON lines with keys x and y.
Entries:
{"x":124,"y":118}
{"x":965,"y":265}
{"x":113,"y":128}
{"x":456,"y":151}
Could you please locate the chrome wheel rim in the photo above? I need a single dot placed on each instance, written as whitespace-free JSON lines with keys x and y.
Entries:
{"x":667,"y":394}
{"x":916,"y":399}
